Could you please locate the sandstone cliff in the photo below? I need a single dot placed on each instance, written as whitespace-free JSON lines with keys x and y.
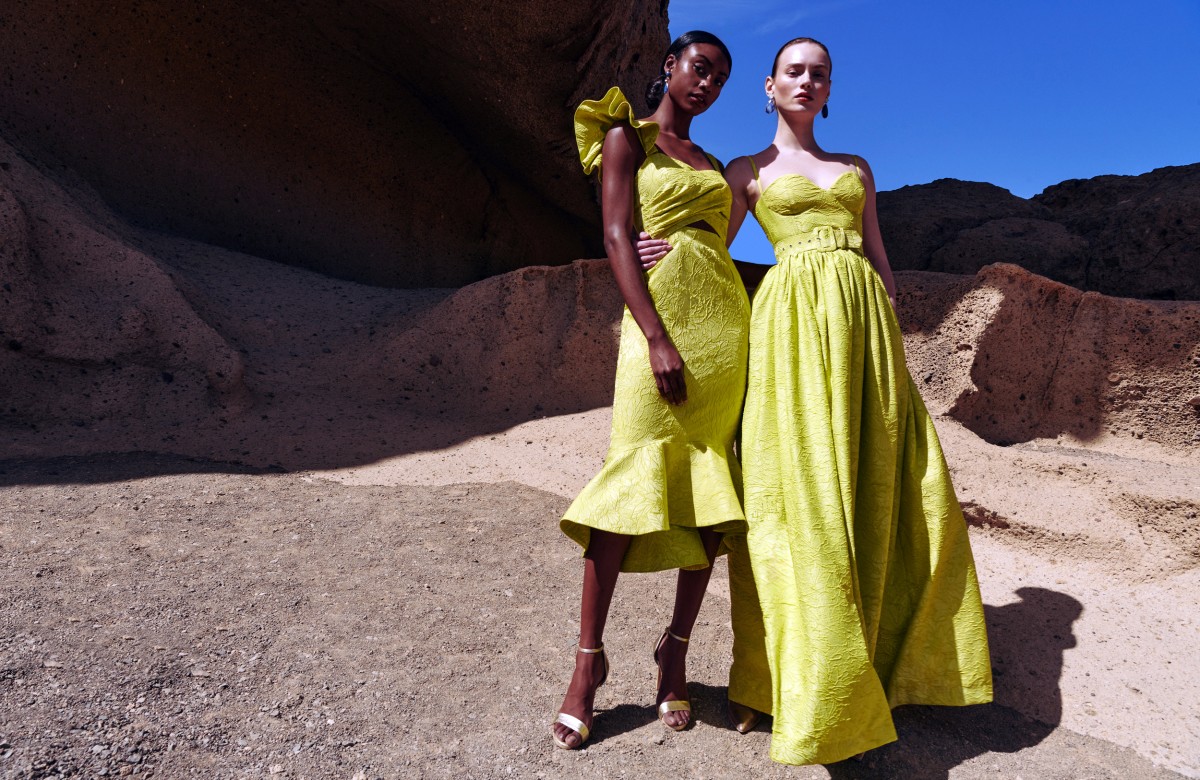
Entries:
{"x":396,"y":143}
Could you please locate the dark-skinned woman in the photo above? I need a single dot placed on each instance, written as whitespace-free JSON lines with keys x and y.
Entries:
{"x":670,"y":486}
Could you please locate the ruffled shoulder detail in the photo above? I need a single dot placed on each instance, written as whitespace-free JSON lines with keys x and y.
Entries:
{"x":594,"y":118}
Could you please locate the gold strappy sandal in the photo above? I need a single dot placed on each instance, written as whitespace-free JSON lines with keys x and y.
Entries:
{"x":676,"y":705}
{"x":570,"y":721}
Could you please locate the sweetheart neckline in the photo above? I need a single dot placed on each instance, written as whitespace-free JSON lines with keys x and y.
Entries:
{"x":841,"y":176}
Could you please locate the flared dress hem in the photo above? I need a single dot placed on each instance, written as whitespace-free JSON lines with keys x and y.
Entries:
{"x":661,"y":493}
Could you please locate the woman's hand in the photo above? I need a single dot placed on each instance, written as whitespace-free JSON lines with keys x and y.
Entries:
{"x":667,"y":365}
{"x":651,"y":250}
{"x":622,"y":156}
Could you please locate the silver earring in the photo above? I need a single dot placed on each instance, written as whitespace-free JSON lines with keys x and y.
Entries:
{"x":770,"y":109}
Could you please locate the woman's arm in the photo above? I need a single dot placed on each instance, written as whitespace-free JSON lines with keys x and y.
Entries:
{"x":872,"y":239}
{"x":621,"y":157}
{"x":740,"y":176}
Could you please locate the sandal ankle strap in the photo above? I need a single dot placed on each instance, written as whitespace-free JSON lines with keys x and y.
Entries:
{"x":594,"y":650}
{"x":677,"y":637}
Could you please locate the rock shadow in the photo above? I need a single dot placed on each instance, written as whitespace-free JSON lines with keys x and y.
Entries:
{"x":113,"y":467}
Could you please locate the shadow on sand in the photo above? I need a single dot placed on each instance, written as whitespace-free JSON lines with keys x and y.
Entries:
{"x":1028,"y":639}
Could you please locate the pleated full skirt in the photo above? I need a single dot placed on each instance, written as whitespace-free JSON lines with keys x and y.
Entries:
{"x":672,"y":469}
{"x":854,"y":589}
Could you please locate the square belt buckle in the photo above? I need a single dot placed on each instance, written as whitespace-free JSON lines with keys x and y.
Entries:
{"x":827,"y":237}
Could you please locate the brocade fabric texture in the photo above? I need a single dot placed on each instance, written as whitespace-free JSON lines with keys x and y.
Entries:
{"x":671,"y":469}
{"x":854,"y":589}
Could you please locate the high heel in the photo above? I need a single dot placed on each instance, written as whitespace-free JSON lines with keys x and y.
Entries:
{"x":570,"y":721}
{"x":744,"y":719}
{"x":676,"y":705}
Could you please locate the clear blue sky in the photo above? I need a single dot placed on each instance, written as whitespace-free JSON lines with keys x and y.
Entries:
{"x":1020,"y":93}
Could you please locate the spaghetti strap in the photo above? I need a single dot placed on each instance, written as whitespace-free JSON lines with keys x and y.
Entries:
{"x":857,"y":169}
{"x":754,"y":168}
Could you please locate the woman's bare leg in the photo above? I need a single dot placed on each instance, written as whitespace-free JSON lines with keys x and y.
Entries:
{"x":689,"y":595}
{"x":601,"y":565}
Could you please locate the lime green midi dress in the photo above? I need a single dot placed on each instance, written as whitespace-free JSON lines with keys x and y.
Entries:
{"x":854,"y":589}
{"x":671,"y":469}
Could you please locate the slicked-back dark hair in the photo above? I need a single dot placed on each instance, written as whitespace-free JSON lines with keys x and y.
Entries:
{"x":793,"y":41}
{"x":656,"y":89}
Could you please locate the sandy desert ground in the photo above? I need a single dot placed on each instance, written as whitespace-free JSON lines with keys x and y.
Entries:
{"x":271,"y":596}
{"x":172,"y":617}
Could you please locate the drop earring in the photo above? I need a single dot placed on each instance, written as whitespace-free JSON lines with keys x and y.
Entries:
{"x":825,"y":111}
{"x":770,"y":109}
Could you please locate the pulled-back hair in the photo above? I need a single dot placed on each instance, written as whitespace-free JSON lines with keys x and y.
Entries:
{"x":656,"y":89}
{"x":778,"y":54}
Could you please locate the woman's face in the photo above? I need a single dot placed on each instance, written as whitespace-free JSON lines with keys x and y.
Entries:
{"x":698,"y":75}
{"x":801,"y":80}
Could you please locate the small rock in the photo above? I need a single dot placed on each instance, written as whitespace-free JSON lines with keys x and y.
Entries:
{"x":276,"y":769}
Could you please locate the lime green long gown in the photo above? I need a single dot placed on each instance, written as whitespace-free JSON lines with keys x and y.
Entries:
{"x":671,"y":469}
{"x":854,"y":590}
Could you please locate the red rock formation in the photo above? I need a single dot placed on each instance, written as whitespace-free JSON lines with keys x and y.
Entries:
{"x":919,"y":220}
{"x":1143,"y":232}
{"x":1130,"y":236}
{"x":399,"y":143}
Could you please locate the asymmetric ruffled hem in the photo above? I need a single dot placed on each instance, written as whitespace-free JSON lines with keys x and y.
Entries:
{"x":660,"y":493}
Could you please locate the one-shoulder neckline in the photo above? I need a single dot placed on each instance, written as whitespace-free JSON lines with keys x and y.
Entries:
{"x":687,"y":164}
{"x":835,"y":182}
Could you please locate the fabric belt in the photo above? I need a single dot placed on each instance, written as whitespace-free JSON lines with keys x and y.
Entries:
{"x":822,"y":239}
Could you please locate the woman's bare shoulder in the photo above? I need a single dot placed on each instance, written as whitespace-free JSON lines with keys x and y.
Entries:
{"x":744,"y":168}
{"x":852,"y":160}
